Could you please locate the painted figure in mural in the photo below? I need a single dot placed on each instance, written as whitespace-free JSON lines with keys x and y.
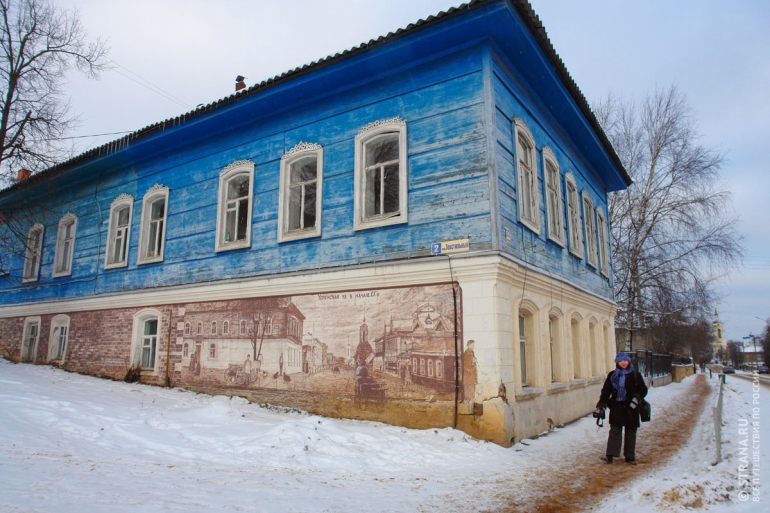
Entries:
{"x":470,"y":376}
{"x":361,"y":374}
{"x":280,"y":364}
{"x":622,"y":392}
{"x":408,"y":376}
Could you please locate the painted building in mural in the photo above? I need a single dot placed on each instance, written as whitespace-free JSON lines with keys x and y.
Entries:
{"x":412,"y":231}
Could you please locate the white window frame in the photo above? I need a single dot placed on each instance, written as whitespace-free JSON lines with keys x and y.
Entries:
{"x":28,"y":323}
{"x":300,"y":151}
{"x":573,"y":217}
{"x":367,"y":134}
{"x":62,"y":263}
{"x":553,"y":202}
{"x":604,"y":246}
{"x":590,"y":228}
{"x":187,"y":328}
{"x":527,"y":178}
{"x":226,"y":328}
{"x":214,"y":327}
{"x":116,"y":206}
{"x":138,"y":338}
{"x":60,"y":324}
{"x":238,"y":168}
{"x":31,"y":270}
{"x":152,"y":195}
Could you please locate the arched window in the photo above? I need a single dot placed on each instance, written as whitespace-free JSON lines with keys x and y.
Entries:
{"x":380,"y":174}
{"x":553,"y":203}
{"x":577,"y":363}
{"x":236,"y":188}
{"x":213,"y":351}
{"x":200,"y":328}
{"x":187,"y":328}
{"x":422,"y":366}
{"x":430,"y":367}
{"x":57,"y":341}
{"x":556,"y":339}
{"x":269,"y":326}
{"x":574,"y":222}
{"x":590,"y":225}
{"x":213,"y":327}
{"x":30,"y":338}
{"x":226,"y":328}
{"x":604,"y":247}
{"x":243,"y":327}
{"x":528,"y":347}
{"x":438,"y":368}
{"x":301,"y":192}
{"x":119,"y":231}
{"x":65,"y":242}
{"x":145,"y":347}
{"x":186,"y":350}
{"x":34,"y":247}
{"x":152,"y":231}
{"x":526,"y":167}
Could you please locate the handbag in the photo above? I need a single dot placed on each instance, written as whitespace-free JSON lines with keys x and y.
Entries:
{"x":645,"y":411}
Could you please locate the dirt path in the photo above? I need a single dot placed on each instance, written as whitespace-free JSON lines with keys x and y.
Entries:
{"x":578,"y":484}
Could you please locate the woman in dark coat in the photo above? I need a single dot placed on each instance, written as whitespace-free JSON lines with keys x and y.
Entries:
{"x":622,"y":392}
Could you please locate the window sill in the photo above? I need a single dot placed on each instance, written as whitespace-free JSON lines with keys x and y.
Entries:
{"x":529,"y":224}
{"x":558,"y":386}
{"x":299,"y":235}
{"x":578,"y":382}
{"x":233,"y":245}
{"x":61,"y":274}
{"x":557,"y":241}
{"x":593,"y":264}
{"x":115,"y":266}
{"x":149,"y":260}
{"x":377,"y":222}
{"x":578,"y":253}
{"x":529,"y":393}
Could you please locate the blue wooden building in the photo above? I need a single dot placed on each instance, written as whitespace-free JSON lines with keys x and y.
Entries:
{"x":441,"y":185}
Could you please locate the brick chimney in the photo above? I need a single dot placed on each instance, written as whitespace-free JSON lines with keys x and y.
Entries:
{"x":239,"y":83}
{"x":23,"y":174}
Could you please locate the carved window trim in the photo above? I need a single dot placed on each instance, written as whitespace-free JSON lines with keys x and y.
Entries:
{"x":590,"y":229}
{"x":366,"y":135}
{"x":529,"y":189}
{"x":301,"y":151}
{"x":152,"y":195}
{"x":553,"y":202}
{"x":62,"y":263}
{"x":232,"y":171}
{"x":604,"y":246}
{"x":118,"y":234}
{"x":574,"y":220}
{"x":34,"y":250}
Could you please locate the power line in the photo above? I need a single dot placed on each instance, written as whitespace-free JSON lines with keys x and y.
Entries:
{"x":86,"y":136}
{"x":149,"y":85}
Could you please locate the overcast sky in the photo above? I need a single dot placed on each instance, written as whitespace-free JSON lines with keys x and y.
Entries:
{"x":717,"y":52}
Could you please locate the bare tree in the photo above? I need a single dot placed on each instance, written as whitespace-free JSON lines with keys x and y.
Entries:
{"x":40,"y":44}
{"x":673,"y":230}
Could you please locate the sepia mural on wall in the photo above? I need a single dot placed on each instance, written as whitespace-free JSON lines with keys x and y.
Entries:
{"x":394,"y":343}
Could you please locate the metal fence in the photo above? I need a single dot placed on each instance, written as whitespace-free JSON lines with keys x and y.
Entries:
{"x":652,"y":365}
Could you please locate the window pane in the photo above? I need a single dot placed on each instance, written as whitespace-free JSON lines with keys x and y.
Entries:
{"x":382,"y":149}
{"x":526,"y":194}
{"x":243,"y":212}
{"x":525,"y":151}
{"x":304,"y":170}
{"x":123,"y":216}
{"x":372,"y":194}
{"x":158,"y":209}
{"x":65,"y":256}
{"x":238,"y":187}
{"x":151,"y":327}
{"x":230,"y":223}
{"x":295,"y":208}
{"x":309,"y":210}
{"x":390,"y":199}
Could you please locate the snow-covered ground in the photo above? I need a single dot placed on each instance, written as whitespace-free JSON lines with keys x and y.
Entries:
{"x":76,"y":443}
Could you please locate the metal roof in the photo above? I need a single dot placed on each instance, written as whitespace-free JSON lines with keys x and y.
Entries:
{"x":522,"y":6}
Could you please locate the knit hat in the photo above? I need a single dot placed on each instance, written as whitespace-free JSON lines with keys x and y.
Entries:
{"x":622,"y":356}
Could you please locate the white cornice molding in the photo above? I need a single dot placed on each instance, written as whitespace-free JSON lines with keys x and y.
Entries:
{"x":299,"y":148}
{"x":237,"y":164}
{"x":381,"y":122}
{"x":123,"y":198}
{"x":491,"y":267}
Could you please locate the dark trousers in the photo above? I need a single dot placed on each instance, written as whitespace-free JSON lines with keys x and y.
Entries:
{"x":615,"y":439}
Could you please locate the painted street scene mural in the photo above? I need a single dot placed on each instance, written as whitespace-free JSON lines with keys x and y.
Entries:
{"x":377,"y":344}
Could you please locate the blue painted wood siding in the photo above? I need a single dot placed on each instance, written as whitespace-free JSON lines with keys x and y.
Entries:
{"x":444,"y":106}
{"x":515,"y":99}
